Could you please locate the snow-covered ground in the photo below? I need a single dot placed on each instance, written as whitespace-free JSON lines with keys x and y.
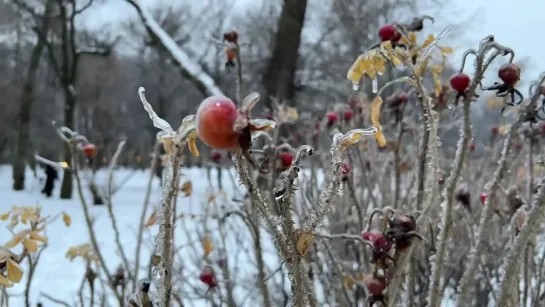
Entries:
{"x":61,"y":278}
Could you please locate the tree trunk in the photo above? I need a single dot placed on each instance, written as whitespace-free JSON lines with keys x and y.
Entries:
{"x":27,"y":97}
{"x":70,"y":104}
{"x":278,"y":79}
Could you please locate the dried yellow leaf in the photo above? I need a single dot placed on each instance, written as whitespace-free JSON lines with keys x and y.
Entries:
{"x":187,"y":188}
{"x":375,"y":111}
{"x":30,"y":245}
{"x":13,"y":222}
{"x":193,"y":147}
{"x":66,"y":219}
{"x":304,"y":240}
{"x":5,"y":216}
{"x":14,"y":271}
{"x":152,"y":219}
{"x":207,"y":245}
{"x":381,"y":140}
{"x":36,"y":236}
{"x":446,"y":50}
{"x":14,"y":241}
{"x":356,"y":71}
{"x":288,"y":114}
{"x":428,"y":41}
{"x":27,"y":214}
{"x":349,"y":282}
{"x":5,"y":282}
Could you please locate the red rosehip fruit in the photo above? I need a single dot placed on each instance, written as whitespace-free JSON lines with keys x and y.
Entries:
{"x":472,"y":146}
{"x":381,"y":243}
{"x":495,"y":129}
{"x":332,"y":118}
{"x":346,"y":169}
{"x":483,"y":197}
{"x":231,"y":37}
{"x":214,"y":122}
{"x":208,"y":277}
{"x":216,"y":156}
{"x":348,"y":115}
{"x":369,"y":235}
{"x":389,"y":33}
{"x":375,"y":285}
{"x":460,"y":82}
{"x":89,"y":150}
{"x":509,"y":74}
{"x":287,"y":159}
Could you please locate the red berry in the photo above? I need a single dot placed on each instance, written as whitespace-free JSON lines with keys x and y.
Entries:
{"x":460,"y":82}
{"x":381,"y":243}
{"x":216,"y":156}
{"x":375,"y":285}
{"x":483,"y":198}
{"x":208,"y":277}
{"x":369,"y":235}
{"x":287,"y":158}
{"x":389,"y":33}
{"x":472,"y":146}
{"x":402,"y":98}
{"x":348,"y":114}
{"x":332,"y":118}
{"x":495,"y":129}
{"x":509,"y":74}
{"x":231,"y":37}
{"x":89,"y":150}
{"x":346,"y":169}
{"x":543,"y":126}
{"x":214,"y":121}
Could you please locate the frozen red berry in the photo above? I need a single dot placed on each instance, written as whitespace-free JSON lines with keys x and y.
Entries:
{"x":231,"y":37}
{"x":472,"y":146}
{"x":509,"y":74}
{"x":483,"y":197}
{"x":369,"y":235}
{"x":381,"y":243}
{"x":375,"y":285}
{"x":208,"y":277}
{"x":389,"y":33}
{"x":89,"y":150}
{"x":332,"y":118}
{"x":495,"y":129}
{"x":287,"y":159}
{"x":214,"y":122}
{"x":346,"y":169}
{"x":460,"y":82}
{"x":348,"y":114}
{"x":216,"y":156}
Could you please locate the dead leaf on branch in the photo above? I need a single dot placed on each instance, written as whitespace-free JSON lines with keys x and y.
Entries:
{"x":187,"y":188}
{"x":152,"y":219}
{"x":375,"y":119}
{"x":304,"y":241}
{"x":66,"y":219}
{"x":207,"y":245}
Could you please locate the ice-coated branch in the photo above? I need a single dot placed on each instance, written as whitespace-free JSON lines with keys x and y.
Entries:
{"x":203,"y":81}
{"x":164,"y":239}
{"x":513,"y":260}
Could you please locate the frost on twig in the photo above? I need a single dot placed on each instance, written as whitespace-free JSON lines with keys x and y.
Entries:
{"x":203,"y":81}
{"x":173,"y":143}
{"x":341,"y":142}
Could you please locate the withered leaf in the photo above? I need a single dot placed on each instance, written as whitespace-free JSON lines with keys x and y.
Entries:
{"x":156,"y":260}
{"x":30,"y":245}
{"x":152,"y":219}
{"x":193,"y":147}
{"x":66,"y":219}
{"x":36,"y":236}
{"x":5,"y":216}
{"x":187,"y":188}
{"x":304,"y":240}
{"x":207,"y":245}
{"x":15,"y":272}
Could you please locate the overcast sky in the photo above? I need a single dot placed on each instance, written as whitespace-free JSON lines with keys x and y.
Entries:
{"x":512,"y":22}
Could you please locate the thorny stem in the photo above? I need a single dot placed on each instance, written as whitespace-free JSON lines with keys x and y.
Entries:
{"x":434,"y":294}
{"x":154,"y":162}
{"x":117,"y":235}
{"x":92,"y":236}
{"x":533,"y":221}
{"x":467,"y":281}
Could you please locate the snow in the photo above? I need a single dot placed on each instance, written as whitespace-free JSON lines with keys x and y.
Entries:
{"x":181,"y":57}
{"x":61,"y":278}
